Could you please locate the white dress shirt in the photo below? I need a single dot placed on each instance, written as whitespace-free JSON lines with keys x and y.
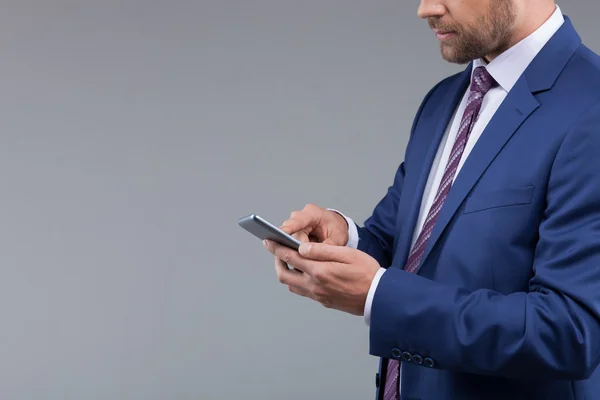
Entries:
{"x":506,"y":69}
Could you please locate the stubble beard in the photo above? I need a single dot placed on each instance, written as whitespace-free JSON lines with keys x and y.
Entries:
{"x":490,"y":35}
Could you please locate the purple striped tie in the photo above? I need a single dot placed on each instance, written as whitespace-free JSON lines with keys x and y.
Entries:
{"x":481,"y":83}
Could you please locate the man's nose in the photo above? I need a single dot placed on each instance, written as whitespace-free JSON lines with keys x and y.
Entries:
{"x":431,"y":9}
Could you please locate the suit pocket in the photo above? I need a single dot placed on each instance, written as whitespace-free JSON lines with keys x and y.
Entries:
{"x":499,"y":198}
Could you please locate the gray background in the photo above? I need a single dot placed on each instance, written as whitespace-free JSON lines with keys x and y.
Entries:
{"x":133,"y":134}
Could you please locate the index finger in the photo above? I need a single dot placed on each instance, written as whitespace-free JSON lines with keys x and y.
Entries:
{"x":298,"y":222}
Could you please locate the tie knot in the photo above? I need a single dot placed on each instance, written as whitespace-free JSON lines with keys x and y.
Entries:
{"x":482,"y":81}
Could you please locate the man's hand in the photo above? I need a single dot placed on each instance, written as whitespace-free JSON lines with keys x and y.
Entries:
{"x":316,"y":224}
{"x":338,"y":277}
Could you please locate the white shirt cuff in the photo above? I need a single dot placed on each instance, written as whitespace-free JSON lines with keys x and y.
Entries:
{"x":352,"y":230}
{"x":371,"y":294}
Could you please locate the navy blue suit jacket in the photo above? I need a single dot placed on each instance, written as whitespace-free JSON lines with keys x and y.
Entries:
{"x":506,"y":302}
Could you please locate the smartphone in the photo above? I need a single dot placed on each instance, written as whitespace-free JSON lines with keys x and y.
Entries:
{"x":263,"y":229}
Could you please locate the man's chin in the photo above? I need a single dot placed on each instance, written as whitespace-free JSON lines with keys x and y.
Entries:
{"x":450,"y":55}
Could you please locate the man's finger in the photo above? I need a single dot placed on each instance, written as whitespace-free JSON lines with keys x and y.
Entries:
{"x":297,"y":223}
{"x":300,"y":291}
{"x":301,"y":236}
{"x":326,"y":252}
{"x":289,"y":256}
{"x":292,"y":226}
{"x":287,"y":276}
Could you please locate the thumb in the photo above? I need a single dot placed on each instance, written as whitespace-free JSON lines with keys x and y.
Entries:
{"x":324,"y":252}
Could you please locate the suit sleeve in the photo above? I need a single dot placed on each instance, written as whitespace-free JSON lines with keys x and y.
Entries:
{"x":550,"y":332}
{"x":376,"y":237}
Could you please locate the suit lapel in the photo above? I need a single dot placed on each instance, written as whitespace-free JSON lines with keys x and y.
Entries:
{"x":415,"y":183}
{"x":515,"y":109}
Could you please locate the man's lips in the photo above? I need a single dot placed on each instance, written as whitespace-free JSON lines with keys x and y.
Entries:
{"x":444,"y":35}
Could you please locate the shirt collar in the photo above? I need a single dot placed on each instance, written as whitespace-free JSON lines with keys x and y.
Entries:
{"x":508,"y":67}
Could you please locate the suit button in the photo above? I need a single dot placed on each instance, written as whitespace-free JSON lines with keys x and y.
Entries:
{"x":406,"y":356}
{"x":429,"y":362}
{"x":377,"y":380}
{"x":417,"y":359}
{"x":396,"y":353}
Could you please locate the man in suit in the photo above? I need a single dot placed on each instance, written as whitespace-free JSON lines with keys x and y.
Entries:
{"x":478,"y":272}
